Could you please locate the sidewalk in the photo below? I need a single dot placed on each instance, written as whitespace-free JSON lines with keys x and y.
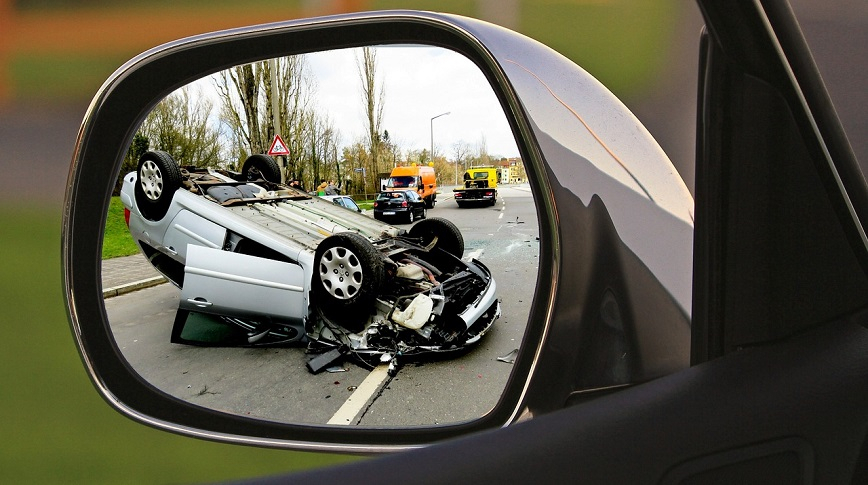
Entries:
{"x":128,"y":273}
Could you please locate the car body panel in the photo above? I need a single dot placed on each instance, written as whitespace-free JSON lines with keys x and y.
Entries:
{"x":227,"y":283}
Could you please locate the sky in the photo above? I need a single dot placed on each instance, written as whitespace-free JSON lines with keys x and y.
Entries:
{"x":420,"y":83}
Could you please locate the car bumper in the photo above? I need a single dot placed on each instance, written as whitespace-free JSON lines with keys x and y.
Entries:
{"x":482,"y":307}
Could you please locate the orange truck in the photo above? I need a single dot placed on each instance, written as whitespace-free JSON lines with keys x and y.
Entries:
{"x":420,"y":178}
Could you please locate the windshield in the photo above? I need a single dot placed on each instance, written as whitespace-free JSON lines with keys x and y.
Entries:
{"x":402,"y":181}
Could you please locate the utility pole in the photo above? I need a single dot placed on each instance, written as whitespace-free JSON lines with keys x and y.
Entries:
{"x":432,"y":132}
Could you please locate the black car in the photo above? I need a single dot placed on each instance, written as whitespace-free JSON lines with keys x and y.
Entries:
{"x":399,"y":205}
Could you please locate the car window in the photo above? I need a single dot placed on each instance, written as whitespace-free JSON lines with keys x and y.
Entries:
{"x":404,"y":181}
{"x":350,"y":204}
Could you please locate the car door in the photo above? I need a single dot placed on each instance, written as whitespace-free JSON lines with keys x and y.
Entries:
{"x":190,"y":229}
{"x":226,"y":283}
{"x":416,"y":204}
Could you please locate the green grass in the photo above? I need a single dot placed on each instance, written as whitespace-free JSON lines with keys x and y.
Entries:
{"x":117,"y":240}
{"x":56,"y":429}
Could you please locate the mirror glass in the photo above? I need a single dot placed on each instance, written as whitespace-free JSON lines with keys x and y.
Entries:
{"x":343,"y":237}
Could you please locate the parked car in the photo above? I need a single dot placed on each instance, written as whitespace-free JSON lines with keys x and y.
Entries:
{"x":344,"y":201}
{"x":749,"y":370}
{"x":399,"y":205}
{"x":289,"y":267}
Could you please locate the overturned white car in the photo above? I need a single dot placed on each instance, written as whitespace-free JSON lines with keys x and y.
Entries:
{"x":288,"y":268}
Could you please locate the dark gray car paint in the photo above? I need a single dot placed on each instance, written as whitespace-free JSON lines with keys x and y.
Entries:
{"x":793,"y":407}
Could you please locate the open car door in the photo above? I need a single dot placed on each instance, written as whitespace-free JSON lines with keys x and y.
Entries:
{"x":225,"y":283}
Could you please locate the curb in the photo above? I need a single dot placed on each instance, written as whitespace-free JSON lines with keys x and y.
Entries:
{"x":130,"y":287}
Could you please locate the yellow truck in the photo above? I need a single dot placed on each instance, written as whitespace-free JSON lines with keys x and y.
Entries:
{"x":480,"y":187}
{"x":420,"y":178}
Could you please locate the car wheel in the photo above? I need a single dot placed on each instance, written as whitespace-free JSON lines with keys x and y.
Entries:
{"x":260,"y":166}
{"x":347,"y":277}
{"x":410,"y":216}
{"x":460,"y":204}
{"x":429,"y":202}
{"x":442,"y":233}
{"x":158,"y":179}
{"x":424,"y":213}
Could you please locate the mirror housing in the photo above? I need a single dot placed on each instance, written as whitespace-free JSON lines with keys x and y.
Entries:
{"x":612,"y":302}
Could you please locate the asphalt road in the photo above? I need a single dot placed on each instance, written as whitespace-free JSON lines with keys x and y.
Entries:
{"x":274,"y":384}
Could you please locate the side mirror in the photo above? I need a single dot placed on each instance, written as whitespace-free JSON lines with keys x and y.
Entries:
{"x":598,"y":301}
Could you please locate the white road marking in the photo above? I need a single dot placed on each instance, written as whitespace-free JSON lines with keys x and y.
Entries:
{"x":357,"y":400}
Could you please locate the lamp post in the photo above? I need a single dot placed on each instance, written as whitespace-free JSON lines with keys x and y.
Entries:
{"x":432,"y":132}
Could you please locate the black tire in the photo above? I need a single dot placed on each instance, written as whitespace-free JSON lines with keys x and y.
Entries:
{"x":347,"y":277}
{"x":424,"y":213}
{"x":158,"y":177}
{"x":260,"y":167}
{"x":410,"y":216}
{"x":430,"y":202}
{"x":448,"y":236}
{"x":460,"y":204}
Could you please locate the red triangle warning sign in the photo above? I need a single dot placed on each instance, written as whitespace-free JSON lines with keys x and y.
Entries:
{"x":278,"y":147}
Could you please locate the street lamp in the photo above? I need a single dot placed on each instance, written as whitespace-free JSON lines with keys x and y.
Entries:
{"x":432,"y":132}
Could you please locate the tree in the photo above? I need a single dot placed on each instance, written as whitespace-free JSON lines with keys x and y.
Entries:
{"x":444,"y":170}
{"x":421,"y":157}
{"x":355,"y":158}
{"x":389,"y":151}
{"x":482,"y":157}
{"x":373,"y":99}
{"x":460,"y":155}
{"x":246,"y":94}
{"x":180,"y":125}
